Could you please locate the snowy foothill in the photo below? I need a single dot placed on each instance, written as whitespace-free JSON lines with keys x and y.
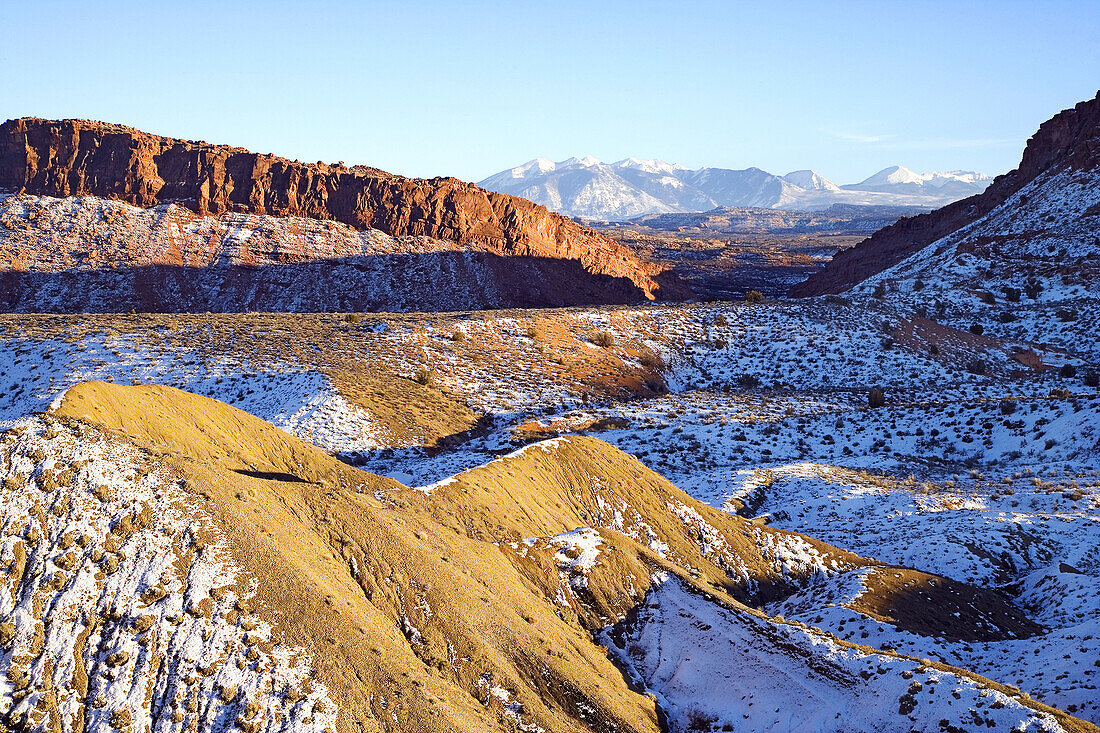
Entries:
{"x":34,"y":373}
{"x":712,"y":668}
{"x":1025,"y":271}
{"x":139,"y":628}
{"x":1030,"y":536}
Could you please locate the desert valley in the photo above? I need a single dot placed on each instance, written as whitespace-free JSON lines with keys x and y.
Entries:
{"x":628,"y":447}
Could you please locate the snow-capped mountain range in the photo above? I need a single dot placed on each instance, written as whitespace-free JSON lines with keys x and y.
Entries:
{"x":588,"y":188}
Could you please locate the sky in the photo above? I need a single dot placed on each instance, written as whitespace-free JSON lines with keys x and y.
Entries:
{"x":471,"y":88}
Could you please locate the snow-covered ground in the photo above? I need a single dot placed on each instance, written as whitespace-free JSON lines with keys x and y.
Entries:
{"x":35,"y":373}
{"x":713,"y":669}
{"x":135,"y":633}
{"x":983,"y":475}
{"x":1026,"y":271}
{"x":1032,"y":536}
{"x":943,"y":416}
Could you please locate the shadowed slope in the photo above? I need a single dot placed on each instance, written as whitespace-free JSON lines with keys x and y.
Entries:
{"x":442,"y":281}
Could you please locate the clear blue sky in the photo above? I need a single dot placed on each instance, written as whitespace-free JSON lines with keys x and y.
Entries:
{"x":469,"y":88}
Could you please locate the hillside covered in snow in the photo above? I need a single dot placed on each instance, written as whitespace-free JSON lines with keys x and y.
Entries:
{"x":1033,"y":226}
{"x":94,"y":254}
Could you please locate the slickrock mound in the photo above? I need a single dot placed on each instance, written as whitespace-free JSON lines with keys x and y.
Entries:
{"x":69,"y":158}
{"x":1068,"y":142}
{"x":173,"y":563}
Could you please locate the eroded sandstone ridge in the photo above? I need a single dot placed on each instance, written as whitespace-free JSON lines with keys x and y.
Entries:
{"x":64,"y":158}
{"x":1069,"y":140}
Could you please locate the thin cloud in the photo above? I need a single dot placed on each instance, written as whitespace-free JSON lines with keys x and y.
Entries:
{"x":891,"y":142}
{"x":954,"y":143}
{"x":856,"y":138}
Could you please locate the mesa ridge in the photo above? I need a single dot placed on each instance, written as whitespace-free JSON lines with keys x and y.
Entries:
{"x":66,"y":158}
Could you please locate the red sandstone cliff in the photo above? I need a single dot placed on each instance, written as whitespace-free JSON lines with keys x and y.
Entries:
{"x":1071,"y":139}
{"x":78,"y":157}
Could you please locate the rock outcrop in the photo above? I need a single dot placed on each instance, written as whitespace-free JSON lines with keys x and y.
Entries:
{"x":1069,"y":140}
{"x":88,"y":254}
{"x":64,"y":158}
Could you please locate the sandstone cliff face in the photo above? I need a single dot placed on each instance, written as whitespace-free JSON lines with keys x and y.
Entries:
{"x":1069,"y":140}
{"x":77,"y":157}
{"x":88,"y":254}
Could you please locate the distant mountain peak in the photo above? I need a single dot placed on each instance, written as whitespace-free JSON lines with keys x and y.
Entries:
{"x":534,"y":167}
{"x":810,"y":180}
{"x":588,"y":161}
{"x":893,"y":174}
{"x":649,"y":166}
{"x":588,"y":188}
{"x":900,"y":175}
